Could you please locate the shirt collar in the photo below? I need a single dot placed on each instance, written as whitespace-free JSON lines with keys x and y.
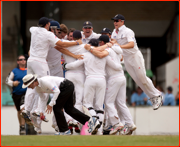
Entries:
{"x":121,"y":28}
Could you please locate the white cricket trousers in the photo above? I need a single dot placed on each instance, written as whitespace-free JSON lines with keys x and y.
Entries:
{"x":39,"y":67}
{"x":94,"y":93}
{"x":135,"y":67}
{"x":116,"y":94}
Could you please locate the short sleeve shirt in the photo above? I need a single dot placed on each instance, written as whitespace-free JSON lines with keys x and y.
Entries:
{"x":124,"y":36}
{"x":41,"y":41}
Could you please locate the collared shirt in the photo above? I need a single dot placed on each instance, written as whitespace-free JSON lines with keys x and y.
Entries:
{"x":93,"y":35}
{"x":124,"y":36}
{"x":49,"y":84}
{"x":94,"y":65}
{"x":41,"y":41}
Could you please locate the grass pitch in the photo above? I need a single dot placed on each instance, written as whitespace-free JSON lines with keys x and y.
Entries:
{"x":94,"y":140}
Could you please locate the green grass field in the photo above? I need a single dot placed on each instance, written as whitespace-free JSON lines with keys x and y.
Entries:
{"x":77,"y":140}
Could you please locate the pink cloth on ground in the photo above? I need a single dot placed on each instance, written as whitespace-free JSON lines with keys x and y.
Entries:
{"x":84,"y":130}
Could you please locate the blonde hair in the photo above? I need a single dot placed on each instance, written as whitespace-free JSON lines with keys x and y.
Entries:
{"x":64,"y":28}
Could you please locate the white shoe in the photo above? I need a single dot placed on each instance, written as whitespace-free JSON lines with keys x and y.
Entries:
{"x":116,"y":128}
{"x":128,"y":130}
{"x":99,"y":133}
{"x":156,"y":101}
{"x":68,"y":132}
{"x":70,"y":125}
{"x":93,"y":125}
{"x":77,"y":127}
{"x":38,"y":130}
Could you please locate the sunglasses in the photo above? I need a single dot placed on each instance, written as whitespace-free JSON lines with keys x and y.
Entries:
{"x":87,"y":27}
{"x":21,"y":59}
{"x":116,"y":20}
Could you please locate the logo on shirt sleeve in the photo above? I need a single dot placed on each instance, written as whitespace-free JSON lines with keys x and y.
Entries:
{"x":53,"y":88}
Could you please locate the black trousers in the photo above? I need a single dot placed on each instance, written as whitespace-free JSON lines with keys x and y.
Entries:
{"x":65,"y":100}
{"x":18,"y":100}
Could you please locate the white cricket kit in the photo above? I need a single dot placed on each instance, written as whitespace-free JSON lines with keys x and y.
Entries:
{"x":92,"y":36}
{"x":48,"y":84}
{"x":77,"y":75}
{"x":95,"y":83}
{"x":134,"y":61}
{"x":41,"y":41}
{"x":54,"y":62}
{"x":116,"y":92}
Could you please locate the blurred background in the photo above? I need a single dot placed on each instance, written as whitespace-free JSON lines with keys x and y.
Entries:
{"x":156,"y":28}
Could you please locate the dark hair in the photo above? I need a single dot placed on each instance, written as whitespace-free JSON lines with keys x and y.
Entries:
{"x":18,"y":59}
{"x":20,"y":56}
{"x":170,"y":88}
{"x":71,"y":30}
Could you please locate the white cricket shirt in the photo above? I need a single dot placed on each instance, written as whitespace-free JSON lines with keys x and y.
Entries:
{"x":93,"y":35}
{"x":94,"y":65}
{"x":116,"y":58}
{"x":124,"y":36}
{"x":41,"y":41}
{"x":49,"y":84}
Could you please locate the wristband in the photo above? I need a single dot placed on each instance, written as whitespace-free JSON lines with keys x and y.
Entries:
{"x":77,"y":43}
{"x":91,"y":50}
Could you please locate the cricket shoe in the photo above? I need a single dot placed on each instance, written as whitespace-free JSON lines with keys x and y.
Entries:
{"x":68,"y":132}
{"x":70,"y":126}
{"x":128,"y":129}
{"x":107,"y":129}
{"x":156,"y":101}
{"x":22,"y":130}
{"x":77,"y":127}
{"x":37,"y":114}
{"x":38,"y":130}
{"x":27,"y":118}
{"x":93,"y":125}
{"x":55,"y":127}
{"x":99,"y":133}
{"x":116,"y":128}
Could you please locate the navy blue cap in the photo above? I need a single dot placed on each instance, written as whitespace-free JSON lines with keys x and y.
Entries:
{"x":104,"y":38}
{"x":87,"y":24}
{"x":43,"y":21}
{"x":106,"y":30}
{"x":77,"y":34}
{"x":54,"y":24}
{"x":118,"y":16}
{"x":94,"y":42}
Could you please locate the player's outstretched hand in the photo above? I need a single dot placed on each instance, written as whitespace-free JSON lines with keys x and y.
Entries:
{"x":87,"y":47}
{"x":49,"y":109}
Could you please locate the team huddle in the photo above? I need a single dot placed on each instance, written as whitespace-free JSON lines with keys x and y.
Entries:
{"x":92,"y":96}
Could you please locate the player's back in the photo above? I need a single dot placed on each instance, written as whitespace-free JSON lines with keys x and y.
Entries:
{"x":94,"y":65}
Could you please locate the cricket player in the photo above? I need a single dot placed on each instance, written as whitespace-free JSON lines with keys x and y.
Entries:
{"x":95,"y":83}
{"x":133,"y":60}
{"x":116,"y":88}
